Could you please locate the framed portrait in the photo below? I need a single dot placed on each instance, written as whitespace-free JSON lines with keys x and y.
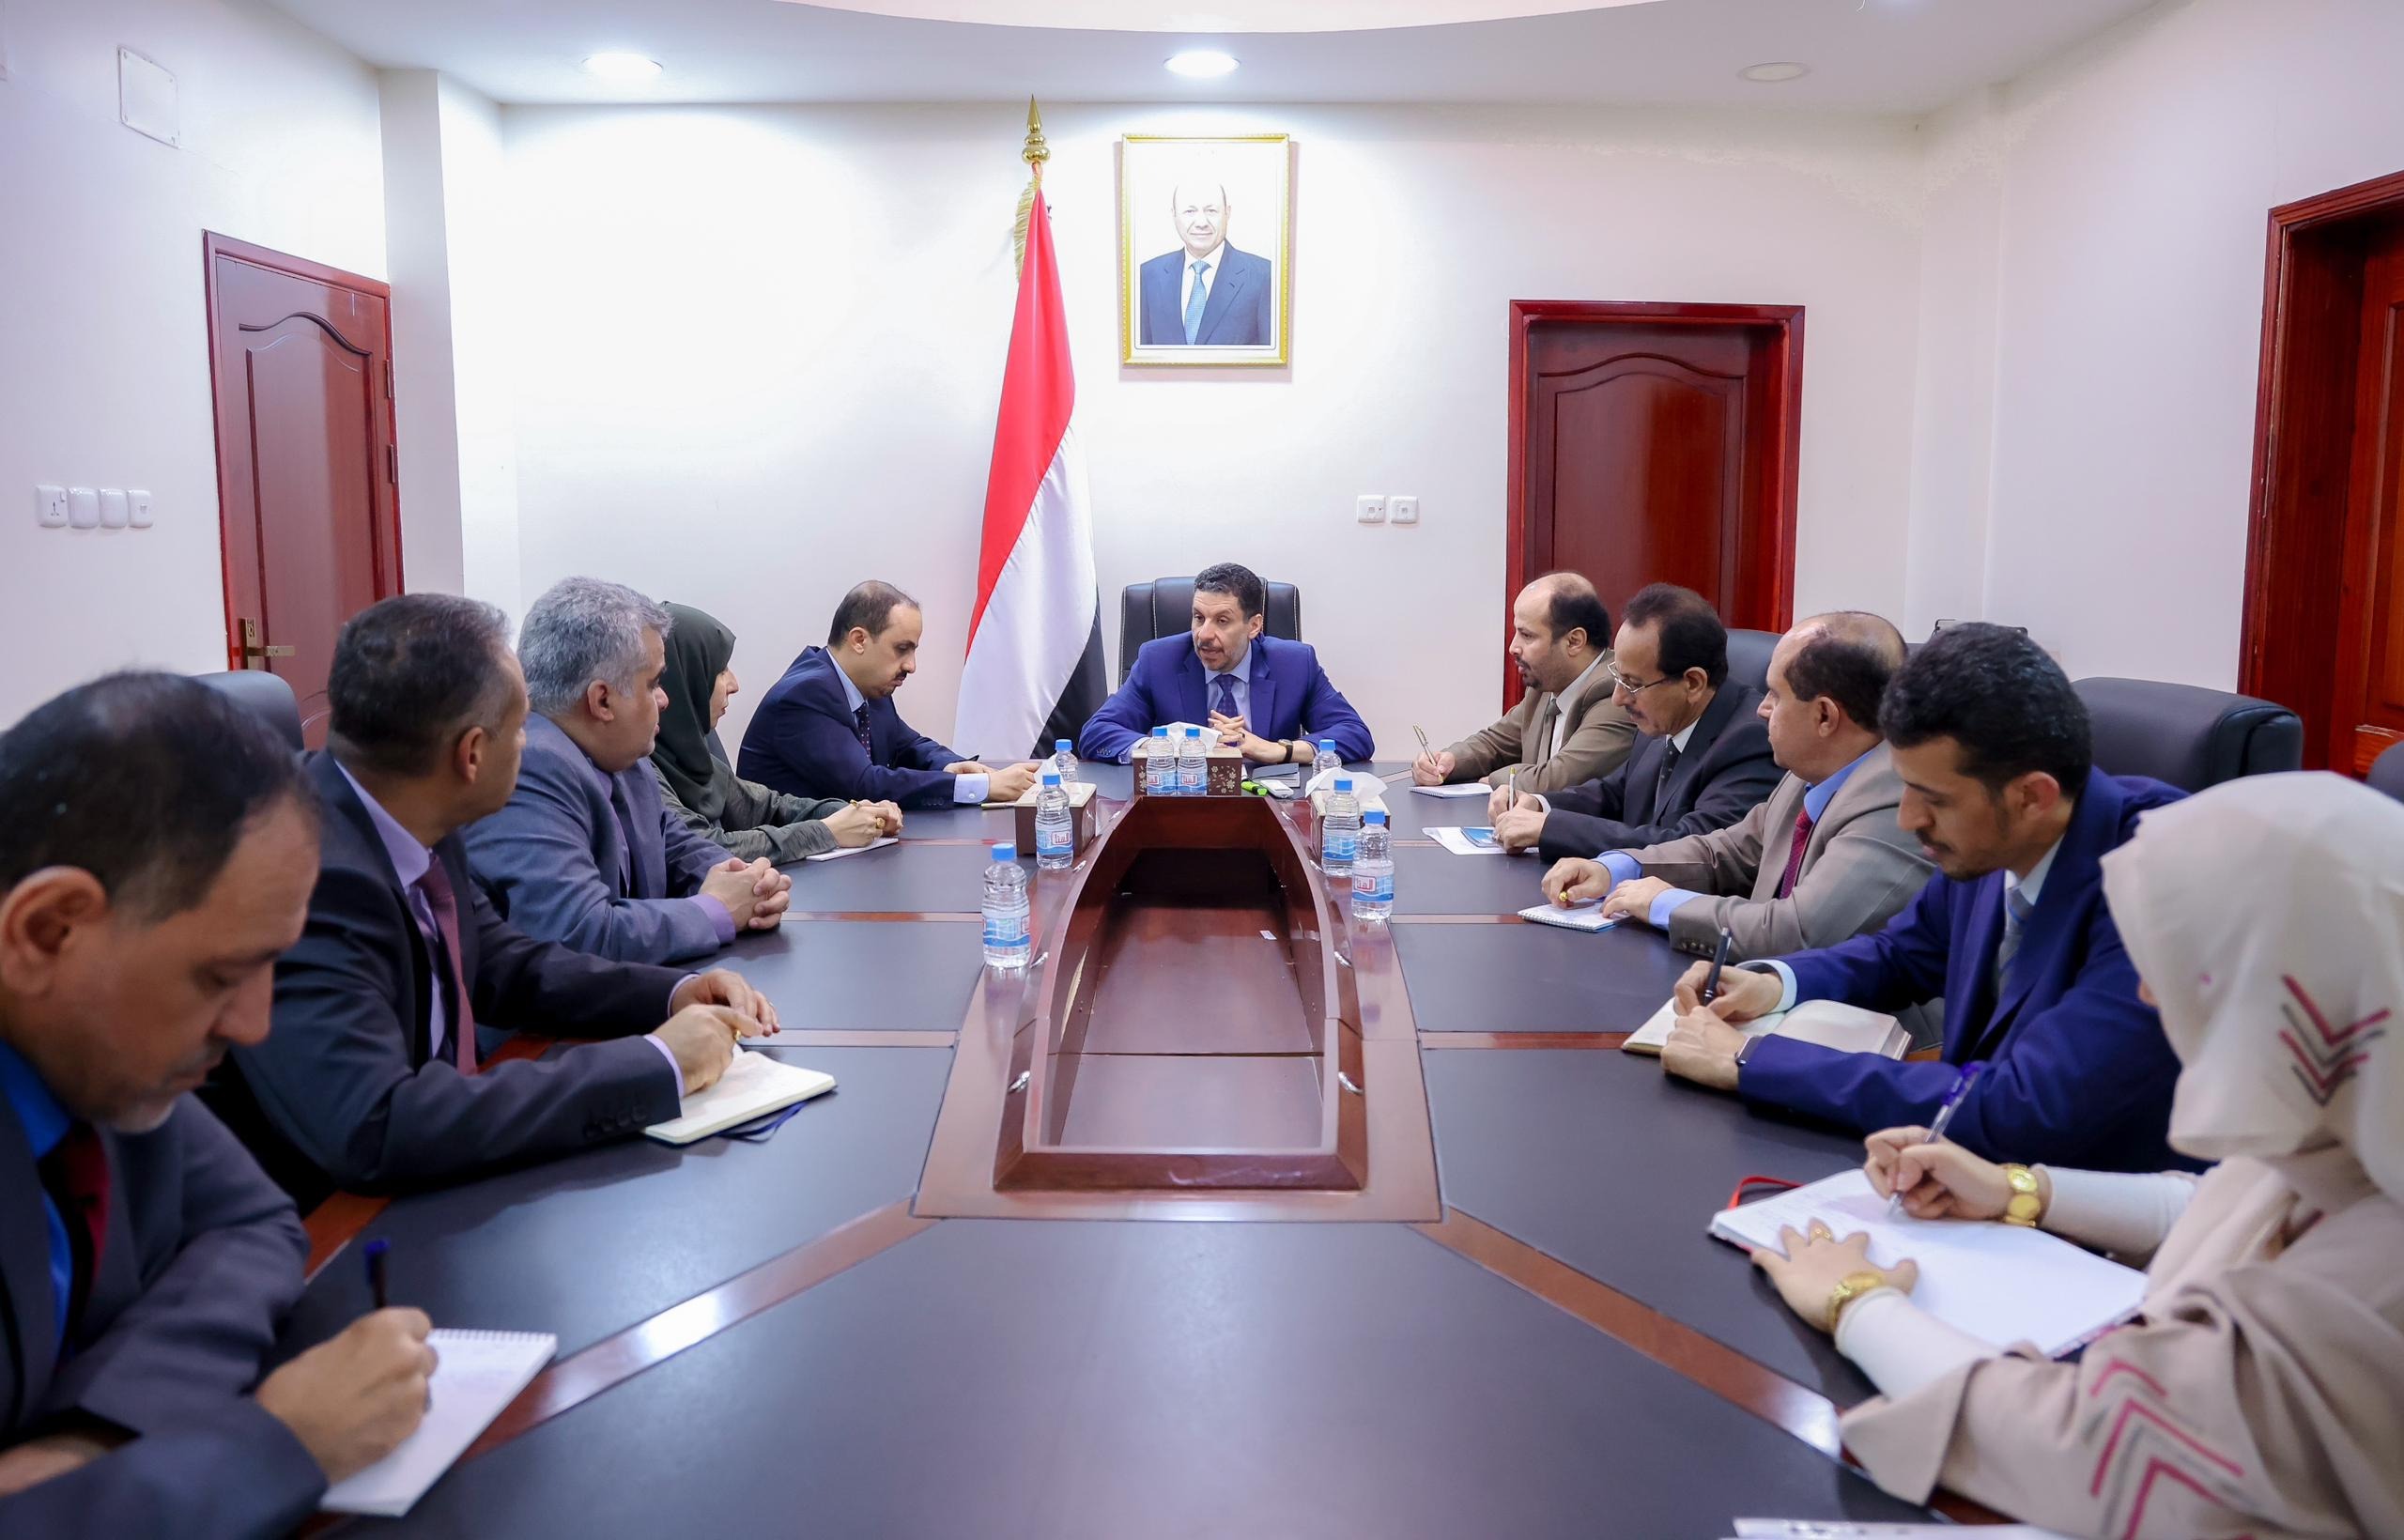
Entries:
{"x":1206,"y":249}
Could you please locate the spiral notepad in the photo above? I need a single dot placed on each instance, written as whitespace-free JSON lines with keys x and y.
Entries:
{"x":476,"y":1373}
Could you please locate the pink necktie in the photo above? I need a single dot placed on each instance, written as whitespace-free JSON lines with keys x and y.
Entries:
{"x":1794,"y":855}
{"x":446,"y":904}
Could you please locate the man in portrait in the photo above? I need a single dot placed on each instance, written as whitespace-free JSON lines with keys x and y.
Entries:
{"x":1204,"y":294}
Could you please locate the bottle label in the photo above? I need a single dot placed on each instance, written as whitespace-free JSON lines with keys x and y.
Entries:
{"x":1369,"y":890}
{"x":1342,"y":845}
{"x":1005,"y":931}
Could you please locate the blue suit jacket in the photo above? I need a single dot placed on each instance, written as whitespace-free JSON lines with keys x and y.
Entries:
{"x":1237,"y":314}
{"x":1290,"y":698}
{"x":2078,"y":1073}
{"x":802,"y":741}
{"x":556,"y":867}
{"x":203,"y":1257}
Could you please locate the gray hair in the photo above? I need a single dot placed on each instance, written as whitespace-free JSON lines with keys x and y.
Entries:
{"x":583,"y":629}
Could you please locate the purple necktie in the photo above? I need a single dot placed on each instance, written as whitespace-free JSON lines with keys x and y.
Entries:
{"x":1227,"y":706}
{"x":439,"y":897}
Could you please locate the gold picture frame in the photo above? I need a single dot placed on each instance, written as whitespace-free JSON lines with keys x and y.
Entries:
{"x":1246,"y":316}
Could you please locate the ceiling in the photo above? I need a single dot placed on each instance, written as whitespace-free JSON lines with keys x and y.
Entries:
{"x":1865,"y":55}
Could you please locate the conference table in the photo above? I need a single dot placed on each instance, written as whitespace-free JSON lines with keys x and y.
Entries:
{"x":779,"y":1338}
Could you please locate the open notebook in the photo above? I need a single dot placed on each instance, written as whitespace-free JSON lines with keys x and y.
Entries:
{"x":1577,"y":917}
{"x":1828,"y":1023}
{"x":754,"y":1086}
{"x":475,"y":1374}
{"x":2004,"y":1284}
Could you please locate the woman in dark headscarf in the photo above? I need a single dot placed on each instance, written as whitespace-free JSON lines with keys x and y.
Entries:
{"x":746,"y":817}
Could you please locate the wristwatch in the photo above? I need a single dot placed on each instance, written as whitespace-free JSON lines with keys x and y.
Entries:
{"x":1849,"y":1289}
{"x":2023,"y":1205}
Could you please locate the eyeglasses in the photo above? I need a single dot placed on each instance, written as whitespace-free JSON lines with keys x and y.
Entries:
{"x":1621,"y":681}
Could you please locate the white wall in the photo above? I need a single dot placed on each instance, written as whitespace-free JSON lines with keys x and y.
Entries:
{"x":758,"y":350}
{"x":2134,"y":187}
{"x":103,"y":354}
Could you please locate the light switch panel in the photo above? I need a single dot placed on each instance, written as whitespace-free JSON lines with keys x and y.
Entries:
{"x":49,"y":507}
{"x":137,"y":508}
{"x":1402,"y":510}
{"x":111,"y":507}
{"x":83,"y":508}
{"x":1369,"y":508}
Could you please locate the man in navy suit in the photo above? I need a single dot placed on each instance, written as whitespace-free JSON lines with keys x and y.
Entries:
{"x":157,"y":845}
{"x":1267,"y":697}
{"x":371,"y":1079}
{"x":585,"y":851}
{"x":2000,"y":788}
{"x":1206,"y":294}
{"x":829,"y":726}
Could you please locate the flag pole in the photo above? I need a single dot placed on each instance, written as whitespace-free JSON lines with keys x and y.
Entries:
{"x":1034,"y":152}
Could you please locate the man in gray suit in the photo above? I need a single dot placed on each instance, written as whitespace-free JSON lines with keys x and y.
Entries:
{"x":156,"y":850}
{"x":1566,"y":726}
{"x":372,"y":1079}
{"x":1823,"y":859}
{"x":585,"y":851}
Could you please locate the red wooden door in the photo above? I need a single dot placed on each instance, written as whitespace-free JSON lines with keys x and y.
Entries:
{"x":2369,"y":679}
{"x":300,"y":358}
{"x":1655,"y":443}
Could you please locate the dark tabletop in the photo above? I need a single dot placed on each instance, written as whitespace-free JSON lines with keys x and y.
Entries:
{"x":1523,"y":978}
{"x":865,"y":975}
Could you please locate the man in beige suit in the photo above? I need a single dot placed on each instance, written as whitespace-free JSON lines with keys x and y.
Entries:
{"x":1824,"y":858}
{"x":1566,"y":727}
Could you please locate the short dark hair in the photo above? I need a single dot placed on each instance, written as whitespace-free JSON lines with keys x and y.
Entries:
{"x":1996,"y":693}
{"x":410,"y":675}
{"x":146,"y":780}
{"x":1575,"y":606}
{"x":1848,"y":658}
{"x":1692,"y":634}
{"x":1239,"y":583}
{"x":868,"y":606}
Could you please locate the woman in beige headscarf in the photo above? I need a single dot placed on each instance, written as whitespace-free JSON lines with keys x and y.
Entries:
{"x":2261,"y":1390}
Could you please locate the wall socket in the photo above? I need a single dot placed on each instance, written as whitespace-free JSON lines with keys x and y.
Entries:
{"x":1402,"y":509}
{"x":1370,"y":508}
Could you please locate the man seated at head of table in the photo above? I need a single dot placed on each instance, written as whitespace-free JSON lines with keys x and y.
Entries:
{"x":1262,"y":694}
{"x":1703,"y":760}
{"x":1566,"y":728}
{"x":584,"y":851}
{"x":371,"y":1080}
{"x":744,"y":817}
{"x":156,"y":844}
{"x":1824,"y":858}
{"x":2000,"y":788}
{"x":829,"y":728}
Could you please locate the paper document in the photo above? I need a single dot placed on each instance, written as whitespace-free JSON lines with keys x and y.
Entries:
{"x":2003,"y":1283}
{"x":1080,"y":792}
{"x":753,"y":1085}
{"x":1831,"y":1023}
{"x":1467,"y":788}
{"x":1578,"y":917}
{"x":878,"y":843}
{"x":476,"y":1373}
{"x":1467,"y":841}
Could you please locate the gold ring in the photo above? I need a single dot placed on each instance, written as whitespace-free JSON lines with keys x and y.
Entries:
{"x":1820,"y":1231}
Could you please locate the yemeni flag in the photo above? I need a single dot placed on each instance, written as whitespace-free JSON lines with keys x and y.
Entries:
{"x":1033,"y":671}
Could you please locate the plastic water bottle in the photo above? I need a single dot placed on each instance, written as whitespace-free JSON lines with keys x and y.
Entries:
{"x":1340,"y":841}
{"x":1054,"y":842}
{"x":1192,"y":771}
{"x":1006,"y":913}
{"x":1326,"y":758}
{"x":1064,"y":760}
{"x":1373,"y":870}
{"x":1160,"y":765}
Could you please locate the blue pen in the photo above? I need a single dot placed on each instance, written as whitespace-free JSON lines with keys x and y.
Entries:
{"x":374,"y":1252}
{"x":1944,"y":1116}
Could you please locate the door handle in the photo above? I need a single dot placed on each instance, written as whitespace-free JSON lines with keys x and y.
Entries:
{"x":254,"y":656}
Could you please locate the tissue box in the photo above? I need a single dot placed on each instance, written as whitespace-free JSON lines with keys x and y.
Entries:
{"x":1222,"y":770}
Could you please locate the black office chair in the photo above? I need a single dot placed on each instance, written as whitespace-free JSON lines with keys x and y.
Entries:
{"x":2187,"y":735}
{"x":2387,"y":772}
{"x":264,"y":696}
{"x":1164,"y":608}
{"x":1749,"y":657}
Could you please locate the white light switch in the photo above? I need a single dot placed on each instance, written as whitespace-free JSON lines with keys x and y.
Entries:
{"x":1402,"y":510}
{"x":49,"y":507}
{"x":83,"y":508}
{"x":137,"y":508}
{"x":111,"y":507}
{"x":1369,"y":508}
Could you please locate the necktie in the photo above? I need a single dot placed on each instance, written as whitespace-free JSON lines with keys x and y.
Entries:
{"x":1794,"y":855}
{"x":76,"y":1175}
{"x":1538,"y":747}
{"x":1226,"y":705}
{"x":1661,"y":782}
{"x":1195,"y":302}
{"x":859,"y":730}
{"x":436,"y":885}
{"x":2017,"y":910}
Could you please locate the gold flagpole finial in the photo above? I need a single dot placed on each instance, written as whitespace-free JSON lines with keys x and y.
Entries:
{"x":1036,"y":151}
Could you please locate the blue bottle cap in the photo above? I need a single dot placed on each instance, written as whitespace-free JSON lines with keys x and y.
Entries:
{"x":1160,"y":732}
{"x":1194,"y":732}
{"x":1050,"y":778}
{"x":1343,"y":783}
{"x":1059,"y":745}
{"x":1377,"y":815}
{"x":1005,"y":853}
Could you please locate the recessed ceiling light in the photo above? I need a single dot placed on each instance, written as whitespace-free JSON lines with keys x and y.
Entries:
{"x":622,"y":66}
{"x":1201,"y":63}
{"x":1771,"y":74}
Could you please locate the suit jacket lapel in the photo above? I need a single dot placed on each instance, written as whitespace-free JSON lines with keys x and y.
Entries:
{"x":24,"y":1270}
{"x":1224,"y":286}
{"x":1644,"y":774}
{"x":333,"y":789}
{"x":1536,"y":747}
{"x":1778,"y":835}
{"x":1970,"y":1024}
{"x":1676,"y":799}
{"x":1261,"y":710}
{"x":2077,"y":868}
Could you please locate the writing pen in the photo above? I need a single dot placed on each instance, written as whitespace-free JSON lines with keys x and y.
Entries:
{"x":1719,"y":960}
{"x":1425,"y":748}
{"x":374,"y":1252}
{"x":1944,"y":1116}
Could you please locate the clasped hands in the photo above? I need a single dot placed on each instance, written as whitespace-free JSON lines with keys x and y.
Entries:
{"x":1233,"y":734}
